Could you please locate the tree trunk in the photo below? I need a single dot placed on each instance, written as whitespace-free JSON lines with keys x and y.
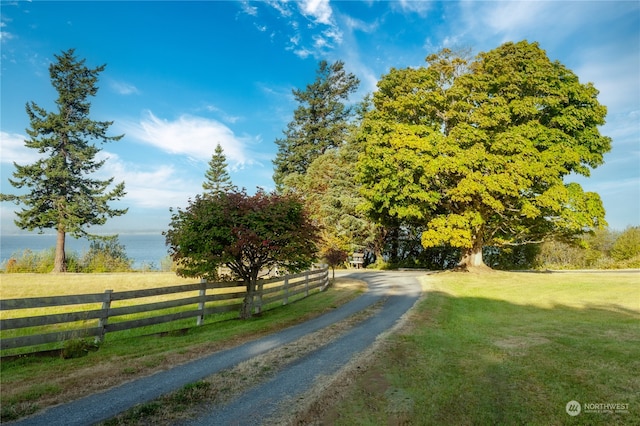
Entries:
{"x":472,"y":258}
{"x":60,"y":262}
{"x":247,"y":305}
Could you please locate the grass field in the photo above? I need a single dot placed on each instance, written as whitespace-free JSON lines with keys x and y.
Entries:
{"x":504,"y":349}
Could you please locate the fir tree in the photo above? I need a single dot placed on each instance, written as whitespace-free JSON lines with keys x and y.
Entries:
{"x":62,"y":195}
{"x":217,"y":179}
{"x":320,"y":122}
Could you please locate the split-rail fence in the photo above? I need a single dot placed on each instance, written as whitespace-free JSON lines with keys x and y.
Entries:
{"x":116,"y":314}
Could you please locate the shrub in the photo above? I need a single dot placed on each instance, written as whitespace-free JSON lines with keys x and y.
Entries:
{"x":38,"y":261}
{"x":77,"y":348}
{"x":106,"y":255}
{"x":627,"y":245}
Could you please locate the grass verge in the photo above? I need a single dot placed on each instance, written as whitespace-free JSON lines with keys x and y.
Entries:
{"x":22,"y":392}
{"x":501,"y":348}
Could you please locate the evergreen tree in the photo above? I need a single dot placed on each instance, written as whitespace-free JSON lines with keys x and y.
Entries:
{"x":62,"y":195}
{"x":320,"y":122}
{"x":217,"y":178}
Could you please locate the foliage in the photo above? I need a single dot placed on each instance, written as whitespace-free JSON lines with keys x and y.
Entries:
{"x":511,"y":257}
{"x":38,"y":261}
{"x":245,"y":233}
{"x":217,"y":178}
{"x":77,"y":348}
{"x":592,"y":251}
{"x":334,"y":257}
{"x":478,"y":151}
{"x":627,"y":245}
{"x":106,"y":255}
{"x":62,"y":195}
{"x":319,"y":123}
{"x":331,"y":195}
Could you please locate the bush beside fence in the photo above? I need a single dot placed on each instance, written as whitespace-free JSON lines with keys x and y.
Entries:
{"x":203,"y":299}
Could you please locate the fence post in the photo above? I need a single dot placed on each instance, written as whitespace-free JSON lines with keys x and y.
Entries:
{"x":201,"y":303}
{"x":104,"y":315}
{"x":326,"y":281}
{"x":258,"y":302}
{"x":285,"y":287}
{"x":306,"y":284}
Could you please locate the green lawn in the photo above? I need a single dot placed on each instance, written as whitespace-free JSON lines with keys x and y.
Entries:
{"x":507,"y":348}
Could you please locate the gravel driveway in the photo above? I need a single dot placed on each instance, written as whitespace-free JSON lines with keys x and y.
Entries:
{"x":397,"y":291}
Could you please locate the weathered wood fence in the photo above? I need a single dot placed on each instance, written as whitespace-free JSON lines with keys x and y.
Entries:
{"x":205,"y":298}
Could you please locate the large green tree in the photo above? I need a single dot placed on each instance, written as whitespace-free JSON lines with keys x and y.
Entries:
{"x":479,"y":151}
{"x":62,"y":194}
{"x":217,"y":177}
{"x":320,"y":122}
{"x":247,"y":234}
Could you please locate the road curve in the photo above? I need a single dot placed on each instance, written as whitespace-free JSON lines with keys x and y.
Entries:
{"x":397,"y":290}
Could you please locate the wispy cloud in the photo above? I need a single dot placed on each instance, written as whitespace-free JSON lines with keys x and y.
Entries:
{"x":248,"y":8}
{"x":195,"y":137}
{"x":124,"y":88}
{"x":149,"y":186}
{"x":413,"y":6}
{"x":222,"y":114}
{"x":319,"y":33}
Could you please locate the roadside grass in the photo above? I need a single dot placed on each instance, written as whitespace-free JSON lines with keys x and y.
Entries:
{"x":21,"y":381}
{"x":503,"y":348}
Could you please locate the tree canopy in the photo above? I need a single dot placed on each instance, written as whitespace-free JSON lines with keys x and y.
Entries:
{"x":320,"y":122}
{"x":62,"y":195}
{"x":478,"y":150}
{"x":247,"y":234}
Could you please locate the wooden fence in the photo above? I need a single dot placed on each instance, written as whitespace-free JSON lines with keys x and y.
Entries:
{"x":202,"y":299}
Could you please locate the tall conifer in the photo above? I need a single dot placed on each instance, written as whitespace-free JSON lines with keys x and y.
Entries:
{"x":61,"y":193}
{"x":217,"y":179}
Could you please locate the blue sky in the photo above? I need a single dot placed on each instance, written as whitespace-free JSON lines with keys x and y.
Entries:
{"x":184,"y":76}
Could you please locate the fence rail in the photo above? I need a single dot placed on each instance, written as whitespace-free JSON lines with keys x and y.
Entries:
{"x":211,"y":298}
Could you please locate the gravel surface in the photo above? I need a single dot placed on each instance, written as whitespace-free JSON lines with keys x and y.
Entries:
{"x":398,"y":290}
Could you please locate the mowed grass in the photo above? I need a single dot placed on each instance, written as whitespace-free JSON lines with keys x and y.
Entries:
{"x":507,"y":349}
{"x":30,"y":383}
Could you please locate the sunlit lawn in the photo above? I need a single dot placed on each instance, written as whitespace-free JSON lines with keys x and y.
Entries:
{"x":508,"y":348}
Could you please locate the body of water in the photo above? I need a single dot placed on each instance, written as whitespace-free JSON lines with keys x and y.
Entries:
{"x":143,"y":249}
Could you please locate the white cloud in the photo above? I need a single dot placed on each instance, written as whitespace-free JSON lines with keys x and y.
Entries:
{"x":148,"y":186}
{"x":321,"y":34}
{"x":248,"y":9}
{"x":192,"y":136}
{"x":421,"y":7}
{"x":352,"y":24}
{"x":12,"y":149}
{"x":318,"y":10}
{"x":123,"y":88}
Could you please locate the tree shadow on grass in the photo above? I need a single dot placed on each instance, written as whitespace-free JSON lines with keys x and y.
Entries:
{"x":471,"y":360}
